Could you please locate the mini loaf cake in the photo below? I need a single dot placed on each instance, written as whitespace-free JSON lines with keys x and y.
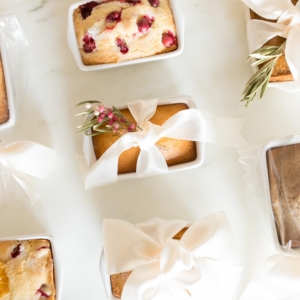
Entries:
{"x":175,"y":151}
{"x":4,"y":114}
{"x":26,"y":270}
{"x":117,"y":30}
{"x":281,"y":70}
{"x":284,"y":179}
{"x":118,"y":280}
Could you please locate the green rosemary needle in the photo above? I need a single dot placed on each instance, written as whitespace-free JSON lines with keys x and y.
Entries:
{"x":267,"y":55}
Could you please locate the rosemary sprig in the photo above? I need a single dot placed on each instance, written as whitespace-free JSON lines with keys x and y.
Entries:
{"x":267,"y":55}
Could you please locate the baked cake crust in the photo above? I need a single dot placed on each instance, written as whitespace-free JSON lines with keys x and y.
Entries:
{"x":105,"y":33}
{"x":4,"y":114}
{"x":175,"y":151}
{"x":284,"y":179}
{"x":118,"y":280}
{"x":281,"y":70}
{"x":29,"y":269}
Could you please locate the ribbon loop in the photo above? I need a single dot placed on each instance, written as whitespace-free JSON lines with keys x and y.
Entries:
{"x":161,"y":264}
{"x":26,"y":158}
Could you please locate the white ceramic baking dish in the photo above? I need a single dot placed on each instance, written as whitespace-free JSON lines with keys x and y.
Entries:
{"x":58,"y":271}
{"x":72,"y":41}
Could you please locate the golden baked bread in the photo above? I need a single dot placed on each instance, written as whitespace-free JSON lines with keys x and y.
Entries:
{"x":175,"y":151}
{"x":281,"y":70}
{"x":118,"y":30}
{"x":118,"y":280}
{"x":284,"y":179}
{"x":26,"y":270}
{"x":4,"y":114}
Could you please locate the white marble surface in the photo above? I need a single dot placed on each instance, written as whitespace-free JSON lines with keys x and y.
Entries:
{"x":212,"y":69}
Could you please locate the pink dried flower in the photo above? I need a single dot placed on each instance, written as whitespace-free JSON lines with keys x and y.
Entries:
{"x":100,"y":119}
{"x":101,"y":108}
{"x":110,"y":115}
{"x":110,"y":122}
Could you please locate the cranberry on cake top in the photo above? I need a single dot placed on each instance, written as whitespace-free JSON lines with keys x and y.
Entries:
{"x":115,"y":31}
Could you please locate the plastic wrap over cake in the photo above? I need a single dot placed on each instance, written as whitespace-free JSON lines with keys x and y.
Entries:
{"x":14,"y":70}
{"x":273,"y":23}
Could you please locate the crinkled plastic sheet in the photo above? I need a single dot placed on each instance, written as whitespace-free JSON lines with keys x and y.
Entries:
{"x":272,"y":175}
{"x":14,"y":50}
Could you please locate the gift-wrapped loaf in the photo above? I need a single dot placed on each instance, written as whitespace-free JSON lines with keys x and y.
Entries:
{"x":120,"y":30}
{"x":4,"y":114}
{"x":175,"y":151}
{"x":284,"y":179}
{"x":281,"y":71}
{"x":26,"y":270}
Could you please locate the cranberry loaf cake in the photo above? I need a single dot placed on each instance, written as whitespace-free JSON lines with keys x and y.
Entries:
{"x":117,"y":30}
{"x":284,"y":180}
{"x":26,"y":270}
{"x":4,"y":114}
{"x":118,"y":280}
{"x":281,"y":70}
{"x":175,"y":151}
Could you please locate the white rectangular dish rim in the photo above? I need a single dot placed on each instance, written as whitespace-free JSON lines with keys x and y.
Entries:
{"x":200,"y":146}
{"x":286,"y":141}
{"x":72,"y":41}
{"x":287,"y":86}
{"x":9,"y":90}
{"x":58,"y":271}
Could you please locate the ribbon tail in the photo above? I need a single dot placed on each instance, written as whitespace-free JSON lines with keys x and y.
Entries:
{"x":105,"y":170}
{"x":151,"y":162}
{"x":224,"y":131}
{"x":259,"y":32}
{"x":280,"y":281}
{"x":292,"y":51}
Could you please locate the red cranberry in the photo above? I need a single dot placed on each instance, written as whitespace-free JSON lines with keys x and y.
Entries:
{"x":16,"y":252}
{"x":154,"y":3}
{"x":89,"y":44}
{"x":43,"y":294}
{"x":144,"y":24}
{"x":114,"y":16}
{"x":122,"y":45}
{"x":133,"y":1}
{"x":168,"y":39}
{"x":86,"y":9}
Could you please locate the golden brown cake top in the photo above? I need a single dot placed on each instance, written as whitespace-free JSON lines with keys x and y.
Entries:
{"x":26,"y":270}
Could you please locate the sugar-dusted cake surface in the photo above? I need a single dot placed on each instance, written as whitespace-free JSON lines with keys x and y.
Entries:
{"x":281,"y":70}
{"x":4,"y":114}
{"x":114,"y":31}
{"x":175,"y":151}
{"x":284,"y":179}
{"x":26,"y":270}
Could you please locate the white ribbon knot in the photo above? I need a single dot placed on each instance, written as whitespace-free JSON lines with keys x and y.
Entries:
{"x":21,"y":159}
{"x":186,"y":125}
{"x":287,"y":25}
{"x":202,"y":264}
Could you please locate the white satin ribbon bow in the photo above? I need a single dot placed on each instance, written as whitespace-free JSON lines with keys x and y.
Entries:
{"x":278,"y":278}
{"x":189,"y":124}
{"x":202,"y":265}
{"x":24,"y":158}
{"x":287,"y":26}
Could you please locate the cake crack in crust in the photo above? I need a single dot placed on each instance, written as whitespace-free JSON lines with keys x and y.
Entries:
{"x":284,"y":179}
{"x":28,"y":266}
{"x":138,"y":24}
